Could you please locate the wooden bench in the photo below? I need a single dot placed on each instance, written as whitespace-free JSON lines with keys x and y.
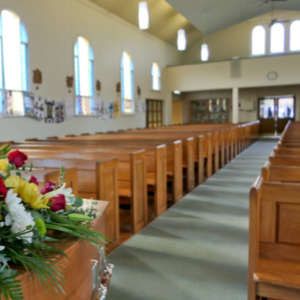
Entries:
{"x":278,"y":173}
{"x":156,"y":172}
{"x":274,"y":241}
{"x":132,"y":188}
{"x":98,"y":180}
{"x":173,"y":156}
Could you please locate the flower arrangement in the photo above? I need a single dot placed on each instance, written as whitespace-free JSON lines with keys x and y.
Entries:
{"x":27,"y":215}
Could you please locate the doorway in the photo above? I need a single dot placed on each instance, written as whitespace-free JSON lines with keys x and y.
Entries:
{"x":177,"y":112}
{"x":154,"y":113}
{"x":275,"y":112}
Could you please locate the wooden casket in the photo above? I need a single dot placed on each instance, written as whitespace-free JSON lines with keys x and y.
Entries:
{"x":82,"y":270}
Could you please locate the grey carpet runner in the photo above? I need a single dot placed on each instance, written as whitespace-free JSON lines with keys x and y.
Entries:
{"x":198,"y":249}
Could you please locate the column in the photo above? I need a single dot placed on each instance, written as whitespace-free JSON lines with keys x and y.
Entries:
{"x":268,"y":40}
{"x":167,"y":109}
{"x":235,"y":105}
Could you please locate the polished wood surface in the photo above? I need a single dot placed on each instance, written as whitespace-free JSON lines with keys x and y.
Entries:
{"x":274,"y":224}
{"x":77,"y":268}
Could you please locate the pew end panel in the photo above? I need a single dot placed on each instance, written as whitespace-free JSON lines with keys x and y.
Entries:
{"x":190,"y":162}
{"x":274,"y":240}
{"x":201,"y":146}
{"x":177,"y":171}
{"x":139,"y":200}
{"x":161,"y":180}
{"x":209,"y":155}
{"x":107,"y":189}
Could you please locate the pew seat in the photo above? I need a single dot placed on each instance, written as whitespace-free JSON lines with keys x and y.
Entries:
{"x":278,"y":272}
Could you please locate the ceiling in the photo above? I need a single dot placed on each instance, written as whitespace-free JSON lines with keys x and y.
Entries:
{"x":165,"y":21}
{"x":210,"y":16}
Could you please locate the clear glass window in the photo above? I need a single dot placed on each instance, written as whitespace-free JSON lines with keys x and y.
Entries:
{"x":13,"y":40}
{"x":277,"y":38}
{"x":258,"y":40}
{"x":127,"y":83}
{"x":295,"y":36}
{"x":84,"y":76}
{"x":155,"y":73}
{"x":286,"y":108}
{"x":266,"y":108}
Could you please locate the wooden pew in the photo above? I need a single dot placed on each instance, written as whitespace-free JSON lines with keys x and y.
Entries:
{"x":132,"y":188}
{"x":98,"y":180}
{"x":174,"y":161}
{"x":156,"y":163}
{"x":188,"y":157}
{"x":274,"y":243}
{"x":271,"y":173}
{"x":284,"y":160}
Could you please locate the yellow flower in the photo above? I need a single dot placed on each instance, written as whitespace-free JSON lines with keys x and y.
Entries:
{"x":3,"y":164}
{"x":14,"y":182}
{"x":28,"y":192}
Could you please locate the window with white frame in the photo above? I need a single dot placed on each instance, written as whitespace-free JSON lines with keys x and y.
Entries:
{"x":295,"y":36}
{"x":127,"y":83}
{"x":155,"y":73}
{"x":13,"y":56}
{"x":84,"y":76}
{"x":277,"y":38}
{"x":258,"y":40}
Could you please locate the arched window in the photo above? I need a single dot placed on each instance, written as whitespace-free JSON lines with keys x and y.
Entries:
{"x":277,"y":38}
{"x":13,"y":56}
{"x":127,"y":83}
{"x":258,"y":40}
{"x":83,"y":64}
{"x":84,"y":76}
{"x":155,"y":73}
{"x":295,"y":36}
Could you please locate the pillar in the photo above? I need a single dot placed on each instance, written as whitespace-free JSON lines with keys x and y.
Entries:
{"x":235,"y":105}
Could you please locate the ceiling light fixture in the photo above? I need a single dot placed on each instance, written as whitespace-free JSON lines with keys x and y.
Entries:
{"x":143,"y":15}
{"x":204,"y":52}
{"x":181,"y":40}
{"x":177,"y":92}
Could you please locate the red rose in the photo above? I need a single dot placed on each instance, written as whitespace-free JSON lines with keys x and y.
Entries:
{"x":57,"y":203}
{"x":34,"y":180}
{"x":17,"y":158}
{"x":46,"y":190}
{"x":3,"y":190}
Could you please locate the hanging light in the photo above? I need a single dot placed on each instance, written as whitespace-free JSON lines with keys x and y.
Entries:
{"x":143,"y":15}
{"x":181,"y":40}
{"x":204,"y":52}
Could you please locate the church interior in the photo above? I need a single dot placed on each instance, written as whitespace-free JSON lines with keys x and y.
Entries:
{"x":149,"y":149}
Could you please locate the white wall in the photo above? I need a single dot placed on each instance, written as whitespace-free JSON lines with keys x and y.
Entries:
{"x":52,"y":28}
{"x":217,"y":75}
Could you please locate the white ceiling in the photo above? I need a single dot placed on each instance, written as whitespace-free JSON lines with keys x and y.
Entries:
{"x":210,"y":16}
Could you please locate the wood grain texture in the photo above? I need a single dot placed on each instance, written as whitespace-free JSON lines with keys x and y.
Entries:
{"x":77,"y":268}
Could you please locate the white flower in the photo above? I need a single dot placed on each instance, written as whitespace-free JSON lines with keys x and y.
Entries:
{"x":1,"y":247}
{"x":18,"y":218}
{"x":62,"y":191}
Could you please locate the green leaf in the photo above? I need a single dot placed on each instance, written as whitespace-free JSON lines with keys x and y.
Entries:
{"x":78,"y":202}
{"x":58,"y":218}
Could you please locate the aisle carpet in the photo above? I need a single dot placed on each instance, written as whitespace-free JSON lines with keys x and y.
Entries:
{"x":198,"y":249}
